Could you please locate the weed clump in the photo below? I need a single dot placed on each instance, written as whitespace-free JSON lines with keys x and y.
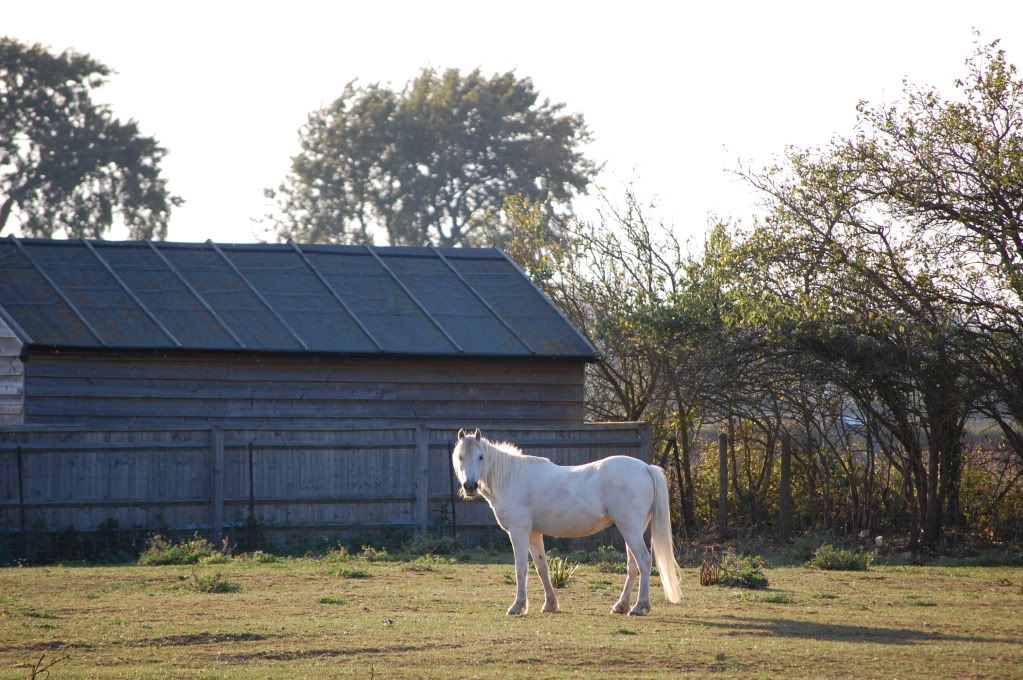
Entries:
{"x":561,"y":570}
{"x":161,"y":550}
{"x":830,"y":558}
{"x":212,"y":583}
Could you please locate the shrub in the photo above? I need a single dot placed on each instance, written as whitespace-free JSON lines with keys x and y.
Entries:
{"x":561,"y":570}
{"x":805,"y":545}
{"x":830,"y":558}
{"x":338,"y":554}
{"x":345,"y":572}
{"x":371,"y":554}
{"x":609,"y":560}
{"x":212,"y":583}
{"x":742,"y":571}
{"x":260,"y":557}
{"x":160,"y":550}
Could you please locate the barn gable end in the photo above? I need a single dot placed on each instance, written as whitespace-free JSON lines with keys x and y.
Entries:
{"x":12,"y":377}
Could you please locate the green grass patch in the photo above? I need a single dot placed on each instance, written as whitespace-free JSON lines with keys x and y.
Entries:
{"x":353,"y":573}
{"x":622,"y":630}
{"x":332,"y":599}
{"x":427,"y":563}
{"x":39,"y":614}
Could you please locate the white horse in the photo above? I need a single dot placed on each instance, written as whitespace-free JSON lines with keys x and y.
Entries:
{"x":532,"y":496}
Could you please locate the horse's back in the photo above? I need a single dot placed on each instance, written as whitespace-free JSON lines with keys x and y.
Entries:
{"x":577,"y":500}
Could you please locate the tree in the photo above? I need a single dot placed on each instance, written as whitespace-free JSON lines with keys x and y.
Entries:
{"x":65,"y":162}
{"x":432,"y":164}
{"x":903,"y":240}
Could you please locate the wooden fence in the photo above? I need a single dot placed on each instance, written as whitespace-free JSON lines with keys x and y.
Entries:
{"x":212,"y":480}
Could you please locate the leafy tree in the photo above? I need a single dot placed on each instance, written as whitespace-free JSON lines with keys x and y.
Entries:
{"x":433,"y":163}
{"x":65,"y":162}
{"x":902,"y":247}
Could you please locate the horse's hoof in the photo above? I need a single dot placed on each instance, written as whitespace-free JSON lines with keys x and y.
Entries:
{"x":550,"y":607}
{"x":516,"y":609}
{"x":619,"y":608}
{"x":641,"y":609}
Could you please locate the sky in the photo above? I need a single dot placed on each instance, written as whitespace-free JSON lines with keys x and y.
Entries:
{"x":676,"y":95}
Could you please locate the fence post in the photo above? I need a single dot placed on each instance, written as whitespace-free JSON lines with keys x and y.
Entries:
{"x":422,"y":479}
{"x":216,"y":485}
{"x":785,"y":491}
{"x":21,"y":506}
{"x":723,"y":485}
{"x":646,"y":443}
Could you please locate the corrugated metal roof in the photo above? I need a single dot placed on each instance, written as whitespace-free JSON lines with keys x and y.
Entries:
{"x":279,"y":298}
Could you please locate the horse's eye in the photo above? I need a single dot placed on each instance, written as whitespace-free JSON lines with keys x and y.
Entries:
{"x":481,"y":457}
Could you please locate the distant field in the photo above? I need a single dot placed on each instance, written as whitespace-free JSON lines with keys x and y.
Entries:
{"x":298,"y":618}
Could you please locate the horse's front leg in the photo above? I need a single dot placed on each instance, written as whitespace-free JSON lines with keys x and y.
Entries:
{"x":520,"y":546}
{"x":550,"y":600}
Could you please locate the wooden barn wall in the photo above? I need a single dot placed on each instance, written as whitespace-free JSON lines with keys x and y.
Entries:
{"x":12,"y":378}
{"x":210,"y":480}
{"x":189,"y":389}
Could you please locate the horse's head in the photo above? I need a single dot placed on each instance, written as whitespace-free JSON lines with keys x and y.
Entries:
{"x":467,"y":459}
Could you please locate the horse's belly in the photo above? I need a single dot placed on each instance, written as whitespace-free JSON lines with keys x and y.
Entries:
{"x":571,"y":525}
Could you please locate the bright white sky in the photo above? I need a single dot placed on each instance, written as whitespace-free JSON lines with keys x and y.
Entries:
{"x":675,"y":96}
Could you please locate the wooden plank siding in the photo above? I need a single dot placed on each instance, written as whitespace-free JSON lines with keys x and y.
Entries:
{"x":296,"y":391}
{"x":12,"y":378}
{"x":304,"y":480}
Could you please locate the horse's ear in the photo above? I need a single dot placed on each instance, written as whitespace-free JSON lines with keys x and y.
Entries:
{"x":461,"y":434}
{"x":479,"y":435}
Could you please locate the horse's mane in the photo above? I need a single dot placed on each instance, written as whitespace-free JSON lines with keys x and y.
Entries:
{"x":503,"y":462}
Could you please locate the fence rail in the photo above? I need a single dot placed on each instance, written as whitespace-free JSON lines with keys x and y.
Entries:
{"x":212,"y":480}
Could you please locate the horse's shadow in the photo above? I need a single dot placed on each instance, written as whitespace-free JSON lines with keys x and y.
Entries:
{"x":837,"y":632}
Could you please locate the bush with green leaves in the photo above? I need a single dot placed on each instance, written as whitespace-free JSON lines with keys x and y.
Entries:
{"x":805,"y":545}
{"x":742,"y":571}
{"x":161,"y":550}
{"x":830,"y":558}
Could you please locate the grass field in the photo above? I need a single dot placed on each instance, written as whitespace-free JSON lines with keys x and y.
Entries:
{"x":312,"y":618}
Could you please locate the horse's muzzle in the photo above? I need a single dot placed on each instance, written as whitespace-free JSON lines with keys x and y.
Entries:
{"x":469,"y":488}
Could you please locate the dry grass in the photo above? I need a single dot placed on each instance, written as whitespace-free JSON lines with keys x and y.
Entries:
{"x":293,"y":618}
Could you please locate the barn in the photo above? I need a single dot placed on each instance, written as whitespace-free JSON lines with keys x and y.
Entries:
{"x":306,"y":388}
{"x":144,"y":333}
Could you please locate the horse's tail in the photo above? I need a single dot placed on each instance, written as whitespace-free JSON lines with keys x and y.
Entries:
{"x":660,"y":538}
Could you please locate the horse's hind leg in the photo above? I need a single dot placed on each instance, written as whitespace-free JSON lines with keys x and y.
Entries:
{"x":622,"y":605}
{"x":633,"y":536}
{"x":550,"y":601}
